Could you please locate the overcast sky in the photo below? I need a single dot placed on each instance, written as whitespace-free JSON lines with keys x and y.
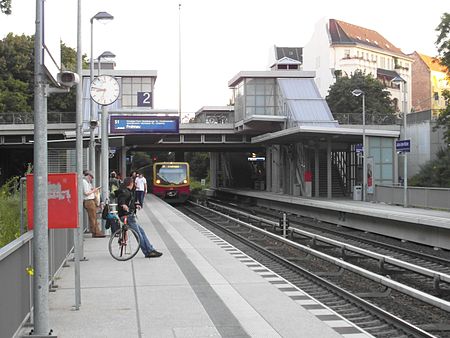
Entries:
{"x":219,"y":38}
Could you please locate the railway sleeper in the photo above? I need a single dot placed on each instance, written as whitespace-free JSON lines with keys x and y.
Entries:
{"x":437,"y":286}
{"x":375,"y":294}
{"x":347,"y":257}
{"x":339,"y":272}
{"x":385,"y":271}
{"x":314,"y":243}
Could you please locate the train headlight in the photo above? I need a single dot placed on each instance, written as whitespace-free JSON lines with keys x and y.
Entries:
{"x":158,"y":181}
{"x":184,"y":181}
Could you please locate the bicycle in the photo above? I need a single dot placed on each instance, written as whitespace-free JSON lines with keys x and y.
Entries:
{"x":124,"y":242}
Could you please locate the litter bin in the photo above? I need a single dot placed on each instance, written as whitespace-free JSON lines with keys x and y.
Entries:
{"x":357,"y":193}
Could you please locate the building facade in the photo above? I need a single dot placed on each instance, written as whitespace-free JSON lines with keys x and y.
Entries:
{"x":429,"y":80}
{"x":337,"y":48}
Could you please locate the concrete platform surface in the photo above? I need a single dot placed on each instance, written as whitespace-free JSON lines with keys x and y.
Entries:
{"x":201,"y":287}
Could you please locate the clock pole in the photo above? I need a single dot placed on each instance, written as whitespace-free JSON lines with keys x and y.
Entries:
{"x":105,"y":159}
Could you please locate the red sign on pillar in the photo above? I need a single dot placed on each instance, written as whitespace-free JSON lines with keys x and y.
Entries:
{"x":62,"y":201}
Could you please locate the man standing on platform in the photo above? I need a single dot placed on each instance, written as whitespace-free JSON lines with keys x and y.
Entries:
{"x":89,"y":204}
{"x":141,"y":188}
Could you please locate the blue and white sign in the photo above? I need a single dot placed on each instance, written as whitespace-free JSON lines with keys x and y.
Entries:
{"x":403,"y":146}
{"x":144,"y":99}
{"x":359,"y":148}
{"x":120,"y":124}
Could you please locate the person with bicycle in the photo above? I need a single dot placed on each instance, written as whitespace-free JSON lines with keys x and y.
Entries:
{"x":127,"y":207}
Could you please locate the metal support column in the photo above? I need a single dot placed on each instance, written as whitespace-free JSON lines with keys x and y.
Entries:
{"x":40,"y":199}
{"x":329,"y":168}
{"x":316,"y":171}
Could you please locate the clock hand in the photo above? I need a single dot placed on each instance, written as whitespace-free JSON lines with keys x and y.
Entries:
{"x":99,"y":89}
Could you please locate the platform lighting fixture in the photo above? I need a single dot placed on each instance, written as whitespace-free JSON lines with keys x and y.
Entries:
{"x":102,"y":17}
{"x":358,"y":92}
{"x":402,"y":82}
{"x":105,"y":55}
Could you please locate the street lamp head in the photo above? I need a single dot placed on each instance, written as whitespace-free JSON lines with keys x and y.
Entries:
{"x":102,"y":17}
{"x":357,"y":92}
{"x":107,"y":55}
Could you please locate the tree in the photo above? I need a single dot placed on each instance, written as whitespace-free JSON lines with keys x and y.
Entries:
{"x":346,"y":108}
{"x":17,"y":76}
{"x":443,"y":47}
{"x":5,"y":6}
{"x":436,"y":173}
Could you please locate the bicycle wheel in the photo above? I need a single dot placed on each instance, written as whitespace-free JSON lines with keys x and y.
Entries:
{"x":124,"y":244}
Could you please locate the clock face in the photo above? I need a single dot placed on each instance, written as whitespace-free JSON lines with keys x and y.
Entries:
{"x":105,"y":90}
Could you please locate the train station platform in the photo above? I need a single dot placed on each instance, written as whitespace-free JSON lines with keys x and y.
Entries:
{"x":201,"y":287}
{"x":425,"y":226}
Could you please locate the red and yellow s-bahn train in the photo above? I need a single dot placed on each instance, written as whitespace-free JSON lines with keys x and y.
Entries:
{"x":171,"y":181}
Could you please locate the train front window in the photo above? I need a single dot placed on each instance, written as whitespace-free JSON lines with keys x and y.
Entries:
{"x":171,"y":174}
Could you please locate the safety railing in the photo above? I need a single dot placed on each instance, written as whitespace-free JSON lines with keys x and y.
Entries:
{"x":28,"y":118}
{"x":16,"y":276}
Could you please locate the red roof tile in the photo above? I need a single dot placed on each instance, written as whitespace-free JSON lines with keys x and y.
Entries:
{"x":345,"y":33}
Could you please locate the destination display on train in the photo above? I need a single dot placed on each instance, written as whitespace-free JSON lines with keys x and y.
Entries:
{"x":120,"y":124}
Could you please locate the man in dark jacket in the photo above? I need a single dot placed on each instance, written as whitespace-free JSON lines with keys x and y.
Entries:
{"x":127,"y":207}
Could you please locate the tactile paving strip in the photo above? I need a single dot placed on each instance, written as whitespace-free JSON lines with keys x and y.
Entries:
{"x":322,"y":312}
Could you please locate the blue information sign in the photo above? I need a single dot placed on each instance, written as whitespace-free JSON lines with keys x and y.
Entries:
{"x":120,"y":124}
{"x":359,"y":148}
{"x":403,"y":146}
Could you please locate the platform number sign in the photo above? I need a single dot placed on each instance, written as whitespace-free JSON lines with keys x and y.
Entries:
{"x":144,"y":99}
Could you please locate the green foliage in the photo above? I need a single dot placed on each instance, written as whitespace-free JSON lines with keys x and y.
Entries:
{"x":9,"y":211}
{"x":443,"y":46}
{"x":443,"y":40}
{"x":5,"y":6}
{"x":344,"y":106}
{"x":434,"y":173}
{"x":16,"y":73}
{"x":199,"y":164}
{"x":17,"y":76}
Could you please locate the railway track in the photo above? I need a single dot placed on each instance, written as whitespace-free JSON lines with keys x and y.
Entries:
{"x":423,"y":271}
{"x":361,"y":296}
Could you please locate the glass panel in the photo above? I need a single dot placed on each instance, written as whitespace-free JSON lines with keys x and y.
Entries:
{"x":126,"y":80}
{"x":251,"y":101}
{"x":270,"y":101}
{"x":375,"y":142}
{"x":260,"y":111}
{"x":136,"y":80}
{"x":250,"y":89}
{"x":386,"y":155}
{"x":376,"y":153}
{"x":387,"y":171}
{"x":270,"y":89}
{"x":386,"y":142}
{"x":377,"y":172}
{"x":126,"y":88}
{"x":260,"y":89}
{"x":250,"y":111}
{"x":270,"y":111}
{"x":260,"y":101}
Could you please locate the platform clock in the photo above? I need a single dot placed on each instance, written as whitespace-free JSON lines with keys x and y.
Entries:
{"x":105,"y":90}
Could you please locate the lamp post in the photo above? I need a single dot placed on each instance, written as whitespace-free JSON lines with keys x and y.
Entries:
{"x":402,"y":82}
{"x":102,"y":17}
{"x":105,"y":55}
{"x":358,"y":92}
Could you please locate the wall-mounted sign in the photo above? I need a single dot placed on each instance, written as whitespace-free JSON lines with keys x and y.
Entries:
{"x":120,"y":124}
{"x":359,"y":148}
{"x":62,"y":201}
{"x":144,"y":99}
